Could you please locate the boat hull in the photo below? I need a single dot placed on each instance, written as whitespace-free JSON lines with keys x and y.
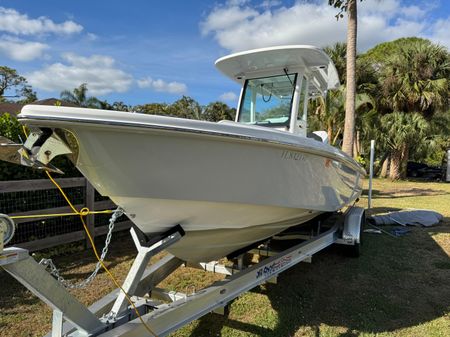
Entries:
{"x":226,"y":191}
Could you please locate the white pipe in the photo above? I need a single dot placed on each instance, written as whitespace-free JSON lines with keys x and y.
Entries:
{"x":372,"y":155}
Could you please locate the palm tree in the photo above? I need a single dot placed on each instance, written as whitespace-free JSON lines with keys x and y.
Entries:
{"x":350,"y":7}
{"x":413,"y":82}
{"x":120,"y":106}
{"x":79,"y":97}
{"x":403,"y":133}
{"x":338,"y":54}
{"x":328,"y":113}
{"x":349,"y":126}
{"x":416,"y":79}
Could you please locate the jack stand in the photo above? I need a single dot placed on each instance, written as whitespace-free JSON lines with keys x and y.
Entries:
{"x":137,"y":269}
{"x":83,"y":321}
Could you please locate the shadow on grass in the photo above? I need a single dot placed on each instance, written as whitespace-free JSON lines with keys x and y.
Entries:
{"x":395,"y":284}
{"x":404,"y":193}
{"x":20,"y":297}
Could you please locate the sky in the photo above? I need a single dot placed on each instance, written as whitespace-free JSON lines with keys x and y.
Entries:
{"x":143,"y":51}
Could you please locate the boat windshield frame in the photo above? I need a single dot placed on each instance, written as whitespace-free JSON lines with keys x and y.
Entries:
{"x":292,"y":77}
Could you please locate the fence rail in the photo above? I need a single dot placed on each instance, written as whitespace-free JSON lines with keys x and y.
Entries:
{"x":39,"y":197}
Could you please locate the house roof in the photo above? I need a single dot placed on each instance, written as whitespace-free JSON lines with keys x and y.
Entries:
{"x":14,"y":108}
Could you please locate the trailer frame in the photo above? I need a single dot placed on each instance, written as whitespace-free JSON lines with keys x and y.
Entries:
{"x":111,"y":316}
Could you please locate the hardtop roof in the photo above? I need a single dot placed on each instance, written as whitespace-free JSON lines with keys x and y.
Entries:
{"x":248,"y":64}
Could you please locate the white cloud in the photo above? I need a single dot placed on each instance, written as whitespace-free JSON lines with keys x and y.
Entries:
{"x":413,"y":12}
{"x":270,"y":3}
{"x":240,"y":25}
{"x":162,"y":86}
{"x":19,"y":50}
{"x":98,"y":71}
{"x":91,"y":37}
{"x":440,"y":32}
{"x":13,"y":22}
{"x":228,"y":97}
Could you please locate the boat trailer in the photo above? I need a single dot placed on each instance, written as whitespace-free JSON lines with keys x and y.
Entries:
{"x":165,"y":311}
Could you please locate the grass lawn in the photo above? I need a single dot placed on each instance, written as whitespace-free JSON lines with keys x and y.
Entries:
{"x":398,"y":287}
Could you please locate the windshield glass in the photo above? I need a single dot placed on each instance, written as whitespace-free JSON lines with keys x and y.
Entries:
{"x":267,"y":101}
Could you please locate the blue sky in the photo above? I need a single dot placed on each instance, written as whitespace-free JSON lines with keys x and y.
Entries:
{"x":156,"y":51}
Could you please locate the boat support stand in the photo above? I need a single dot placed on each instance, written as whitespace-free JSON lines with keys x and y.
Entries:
{"x":112,"y":317}
{"x":111,"y":309}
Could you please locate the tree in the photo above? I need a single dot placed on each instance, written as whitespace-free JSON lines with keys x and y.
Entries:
{"x":116,"y":106}
{"x":338,"y":54}
{"x":416,"y":79}
{"x":350,"y":7}
{"x":120,"y":106}
{"x":329,"y":113}
{"x":152,"y":108}
{"x":104,"y":105}
{"x":11,"y":80}
{"x":29,"y":95}
{"x":217,"y":111}
{"x":403,"y":133}
{"x":439,"y":142}
{"x":79,"y":97}
{"x":185,"y":107}
{"x":413,"y":82}
{"x":378,"y":55}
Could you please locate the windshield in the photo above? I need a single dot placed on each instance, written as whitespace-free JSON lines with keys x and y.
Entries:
{"x":267,"y":101}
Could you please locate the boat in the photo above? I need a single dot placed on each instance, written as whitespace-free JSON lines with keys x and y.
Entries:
{"x":228,"y":184}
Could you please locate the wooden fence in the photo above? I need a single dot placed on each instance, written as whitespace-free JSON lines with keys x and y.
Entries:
{"x":9,"y":191}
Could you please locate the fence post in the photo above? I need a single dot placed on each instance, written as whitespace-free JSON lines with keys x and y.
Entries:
{"x":90,"y":220}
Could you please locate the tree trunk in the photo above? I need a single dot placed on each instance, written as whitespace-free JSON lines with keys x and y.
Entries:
{"x":396,"y":161}
{"x":378,"y":168}
{"x":330,"y":133}
{"x":404,"y":160}
{"x":349,"y":127}
{"x":357,"y":145}
{"x":335,"y":139}
{"x":385,"y":167}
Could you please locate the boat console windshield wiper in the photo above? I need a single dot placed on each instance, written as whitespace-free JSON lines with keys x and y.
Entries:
{"x":287,"y":75}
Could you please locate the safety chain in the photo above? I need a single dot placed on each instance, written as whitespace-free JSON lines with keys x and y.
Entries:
{"x":48,"y":263}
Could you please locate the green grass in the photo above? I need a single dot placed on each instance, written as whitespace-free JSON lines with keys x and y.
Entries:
{"x":388,"y":195}
{"x":398,"y":287}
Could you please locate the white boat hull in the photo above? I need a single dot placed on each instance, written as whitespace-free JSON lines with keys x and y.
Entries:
{"x":226,"y":190}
